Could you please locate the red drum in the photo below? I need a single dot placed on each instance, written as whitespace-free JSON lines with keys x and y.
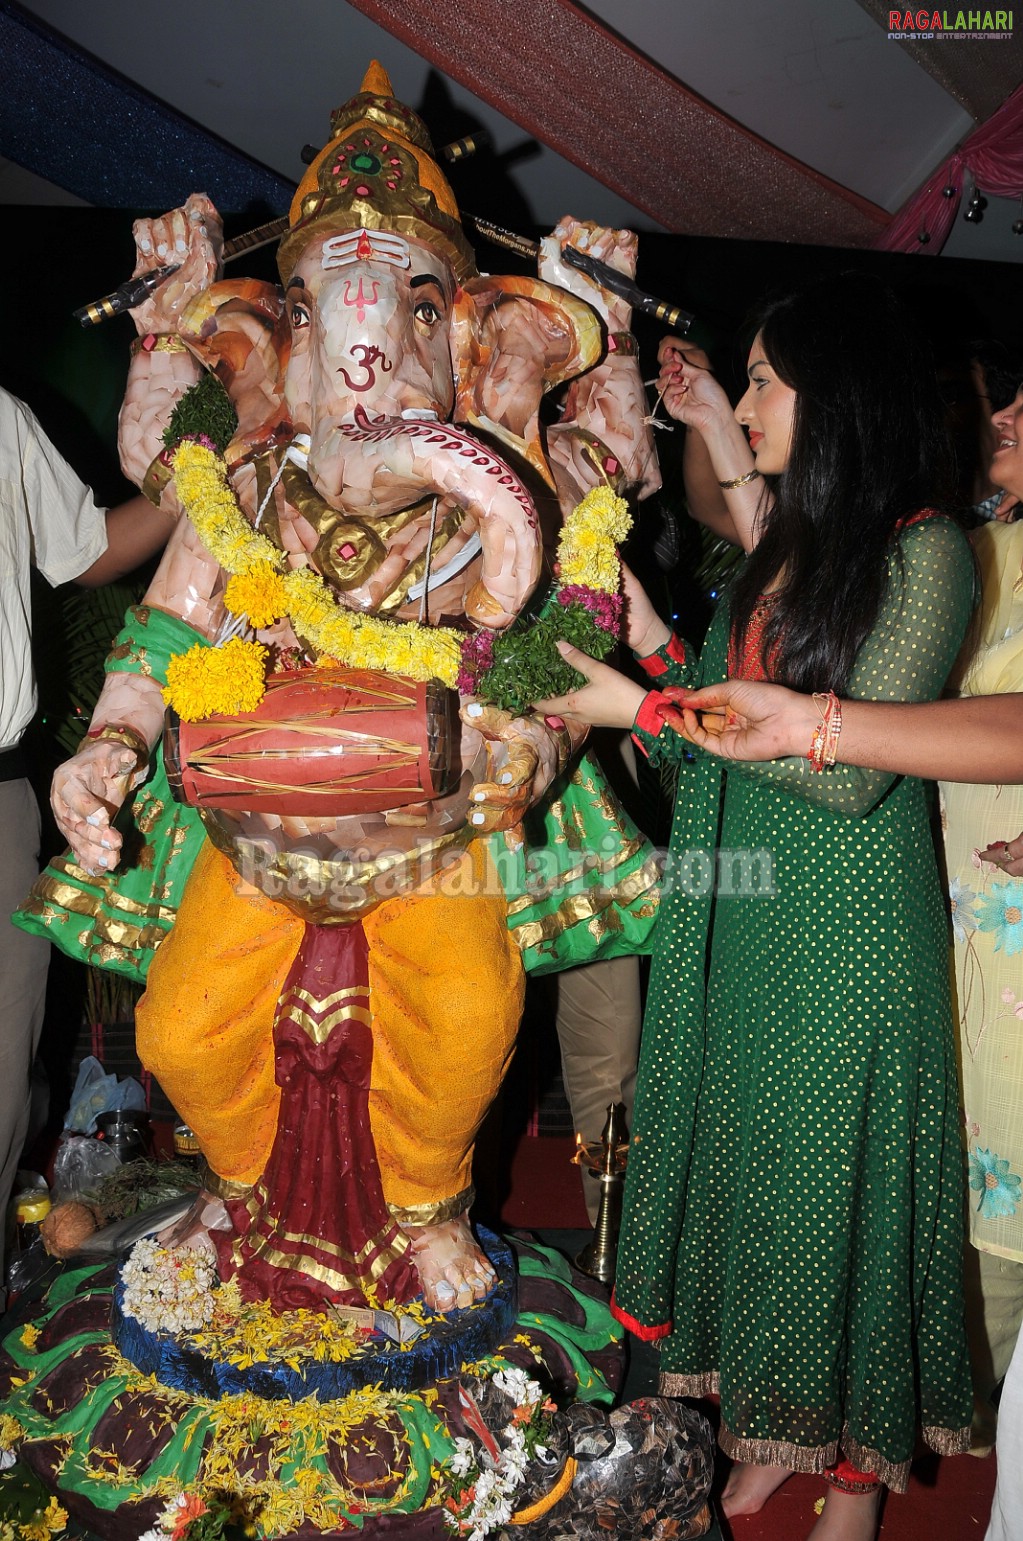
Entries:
{"x":324,"y":742}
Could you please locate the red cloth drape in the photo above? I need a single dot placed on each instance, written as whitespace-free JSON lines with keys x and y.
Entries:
{"x":993,"y":155}
{"x":316,"y":1228}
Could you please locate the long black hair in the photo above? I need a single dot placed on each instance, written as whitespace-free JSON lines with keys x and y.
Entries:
{"x":869,"y":448}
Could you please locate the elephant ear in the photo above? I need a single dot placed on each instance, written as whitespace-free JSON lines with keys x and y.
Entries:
{"x":239,"y":329}
{"x":513,"y":339}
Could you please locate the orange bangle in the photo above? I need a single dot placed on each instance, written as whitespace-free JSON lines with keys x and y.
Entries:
{"x":823,"y":750}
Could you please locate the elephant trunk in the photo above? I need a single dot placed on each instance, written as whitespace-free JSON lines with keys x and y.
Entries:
{"x":369,"y":467}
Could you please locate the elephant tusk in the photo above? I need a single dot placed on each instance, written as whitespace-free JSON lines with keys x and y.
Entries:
{"x":471,"y":549}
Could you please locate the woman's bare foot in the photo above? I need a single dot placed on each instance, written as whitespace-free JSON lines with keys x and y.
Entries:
{"x":848,"y":1517}
{"x":193,"y":1229}
{"x":749,"y":1487}
{"x":452,"y":1270}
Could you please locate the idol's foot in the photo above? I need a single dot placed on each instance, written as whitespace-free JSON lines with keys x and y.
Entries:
{"x":452,"y":1270}
{"x":848,"y":1517}
{"x":749,"y":1487}
{"x":193,"y":1229}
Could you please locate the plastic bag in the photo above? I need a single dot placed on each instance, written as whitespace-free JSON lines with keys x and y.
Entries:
{"x":79,"y":1164}
{"x":96,"y":1092}
{"x":27,"y":1267}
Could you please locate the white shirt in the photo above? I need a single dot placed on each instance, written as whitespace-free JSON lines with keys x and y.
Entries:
{"x":48,"y":520}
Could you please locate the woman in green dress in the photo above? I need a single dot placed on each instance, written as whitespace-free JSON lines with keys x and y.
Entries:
{"x":793,"y":1222}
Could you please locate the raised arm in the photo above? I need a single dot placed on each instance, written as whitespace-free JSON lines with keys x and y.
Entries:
{"x":609,"y":400}
{"x":87,"y":791}
{"x":694,"y":397}
{"x":162,"y":369}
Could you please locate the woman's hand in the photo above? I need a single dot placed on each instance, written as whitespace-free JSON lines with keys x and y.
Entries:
{"x":689,"y":391}
{"x":645,"y":632}
{"x":607,"y":700}
{"x":1006,"y":855}
{"x":745,"y":720}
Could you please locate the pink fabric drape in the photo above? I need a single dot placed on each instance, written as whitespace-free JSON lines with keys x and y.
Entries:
{"x":993,"y":155}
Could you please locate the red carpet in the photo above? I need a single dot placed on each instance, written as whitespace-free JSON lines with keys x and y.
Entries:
{"x":545,"y":1191}
{"x":948,"y":1500}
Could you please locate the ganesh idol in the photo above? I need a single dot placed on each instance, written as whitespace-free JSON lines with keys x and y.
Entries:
{"x":336,"y":1002}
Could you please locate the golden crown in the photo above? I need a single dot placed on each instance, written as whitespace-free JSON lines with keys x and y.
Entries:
{"x":378,"y":172}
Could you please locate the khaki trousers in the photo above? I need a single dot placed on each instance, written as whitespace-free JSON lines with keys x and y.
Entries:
{"x":598,"y":1019}
{"x":994,"y":1312}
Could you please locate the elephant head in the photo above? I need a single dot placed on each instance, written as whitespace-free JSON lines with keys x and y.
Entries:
{"x":385,"y":342}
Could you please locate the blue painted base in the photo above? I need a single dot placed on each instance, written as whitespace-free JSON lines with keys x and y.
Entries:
{"x":463,"y":1337}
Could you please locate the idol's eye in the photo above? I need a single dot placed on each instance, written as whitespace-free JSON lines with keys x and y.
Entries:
{"x":299,"y":317}
{"x":427,"y":312}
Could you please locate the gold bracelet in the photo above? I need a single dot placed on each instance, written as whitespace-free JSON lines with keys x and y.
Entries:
{"x":130,"y":738}
{"x":740,"y":481}
{"x":157,"y":342}
{"x":623,"y":343}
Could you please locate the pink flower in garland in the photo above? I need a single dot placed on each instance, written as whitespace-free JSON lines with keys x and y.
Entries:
{"x":477,"y":657}
{"x":605,"y":608}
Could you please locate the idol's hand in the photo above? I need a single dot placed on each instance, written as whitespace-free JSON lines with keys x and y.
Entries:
{"x":193,"y":239}
{"x":616,"y":249}
{"x":744,"y":719}
{"x":524,"y":755}
{"x":607,"y":700}
{"x":86,"y":793}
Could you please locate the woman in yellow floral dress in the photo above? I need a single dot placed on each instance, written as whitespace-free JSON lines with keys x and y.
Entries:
{"x":986,"y":893}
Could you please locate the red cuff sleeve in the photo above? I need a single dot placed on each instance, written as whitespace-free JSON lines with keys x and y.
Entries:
{"x":658,"y":663}
{"x":650,"y":718}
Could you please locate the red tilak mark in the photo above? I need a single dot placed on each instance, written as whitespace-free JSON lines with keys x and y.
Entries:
{"x":361,"y":300}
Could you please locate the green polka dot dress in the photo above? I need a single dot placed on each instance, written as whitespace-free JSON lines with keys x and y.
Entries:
{"x":793,"y":1217}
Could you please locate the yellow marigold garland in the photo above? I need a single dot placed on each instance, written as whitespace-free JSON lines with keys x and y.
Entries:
{"x":231,"y":678}
{"x":260,"y":589}
{"x":587,"y":549}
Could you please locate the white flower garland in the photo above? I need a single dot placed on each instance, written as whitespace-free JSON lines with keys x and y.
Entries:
{"x":169,"y":1289}
{"x":493,"y":1485}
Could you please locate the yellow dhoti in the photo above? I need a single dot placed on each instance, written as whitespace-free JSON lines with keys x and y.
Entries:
{"x":446,"y":985}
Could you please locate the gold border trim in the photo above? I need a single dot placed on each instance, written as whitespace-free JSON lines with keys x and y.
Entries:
{"x":434,"y":1214}
{"x":587,"y":906}
{"x":223,"y":1187}
{"x":627,"y":850}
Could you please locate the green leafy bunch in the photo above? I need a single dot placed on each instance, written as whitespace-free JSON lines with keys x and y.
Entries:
{"x":204,"y":410}
{"x":525,"y":664}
